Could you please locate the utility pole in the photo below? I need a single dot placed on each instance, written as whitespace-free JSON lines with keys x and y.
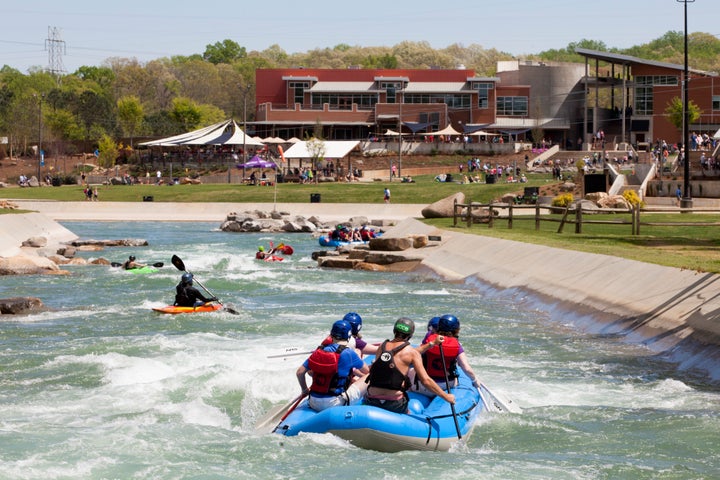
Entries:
{"x":686,"y":201}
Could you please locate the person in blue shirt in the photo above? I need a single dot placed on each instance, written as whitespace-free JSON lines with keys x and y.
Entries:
{"x":333,"y":367}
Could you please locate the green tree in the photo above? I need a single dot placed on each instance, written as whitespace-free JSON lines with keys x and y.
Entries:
{"x":108,"y":151}
{"x":226,"y":51}
{"x":130,"y":114}
{"x":674,"y":111}
{"x":186,"y":113}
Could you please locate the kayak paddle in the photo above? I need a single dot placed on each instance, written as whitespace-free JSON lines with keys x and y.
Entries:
{"x":447,"y":386}
{"x":180,"y":265}
{"x":503,"y":405}
{"x":156,"y":264}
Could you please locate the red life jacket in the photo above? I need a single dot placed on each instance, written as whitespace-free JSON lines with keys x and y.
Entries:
{"x":324,"y":366}
{"x":433,"y":363}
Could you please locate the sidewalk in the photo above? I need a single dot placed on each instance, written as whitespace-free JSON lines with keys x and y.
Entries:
{"x":213,"y":212}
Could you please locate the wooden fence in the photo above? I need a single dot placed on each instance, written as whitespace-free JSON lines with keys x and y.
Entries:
{"x":491,"y":213}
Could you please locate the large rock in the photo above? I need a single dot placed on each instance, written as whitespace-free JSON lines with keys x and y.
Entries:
{"x":27,"y":265}
{"x":614,"y":201}
{"x":17,"y":305}
{"x":443,"y":208}
{"x":35,"y":242}
{"x":123,"y":242}
{"x":386,"y":244}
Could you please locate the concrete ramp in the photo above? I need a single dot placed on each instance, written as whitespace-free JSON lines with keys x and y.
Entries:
{"x":18,"y":228}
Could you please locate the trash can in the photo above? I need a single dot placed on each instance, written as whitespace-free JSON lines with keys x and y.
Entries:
{"x":56,"y":181}
{"x":314,"y":198}
{"x":489,"y":178}
{"x":279,"y":178}
{"x":148,"y":198}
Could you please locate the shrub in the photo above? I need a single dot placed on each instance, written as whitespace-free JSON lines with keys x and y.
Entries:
{"x":633,"y":198}
{"x":562,"y":200}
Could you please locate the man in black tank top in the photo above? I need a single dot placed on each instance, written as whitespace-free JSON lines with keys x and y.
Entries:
{"x":388,"y":379}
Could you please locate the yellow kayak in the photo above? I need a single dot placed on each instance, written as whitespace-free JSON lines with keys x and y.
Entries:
{"x":208,"y":307}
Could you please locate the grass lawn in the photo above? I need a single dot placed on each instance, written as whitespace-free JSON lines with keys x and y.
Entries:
{"x":424,"y":191}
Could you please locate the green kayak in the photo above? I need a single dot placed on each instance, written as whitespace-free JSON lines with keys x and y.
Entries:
{"x":143,"y":270}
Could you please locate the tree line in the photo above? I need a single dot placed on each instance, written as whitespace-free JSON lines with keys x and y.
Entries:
{"x":127,"y":99}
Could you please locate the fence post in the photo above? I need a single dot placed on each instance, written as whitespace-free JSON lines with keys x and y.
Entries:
{"x":510,"y":215}
{"x":537,"y":217}
{"x":636,"y":219}
{"x":578,"y":218}
{"x":564,"y":217}
{"x":469,"y":213}
{"x":455,"y":212}
{"x":491,"y":215}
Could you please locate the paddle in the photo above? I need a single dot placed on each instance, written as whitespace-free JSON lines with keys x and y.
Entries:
{"x":275,"y":416}
{"x":447,"y":386}
{"x":156,"y":264}
{"x":180,"y":265}
{"x":289,"y":352}
{"x":503,"y":405}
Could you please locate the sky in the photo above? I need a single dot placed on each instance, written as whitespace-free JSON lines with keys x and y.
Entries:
{"x":92,"y":31}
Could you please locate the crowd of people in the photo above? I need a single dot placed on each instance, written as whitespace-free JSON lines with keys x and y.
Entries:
{"x":343,"y":233}
{"x":340,"y":376}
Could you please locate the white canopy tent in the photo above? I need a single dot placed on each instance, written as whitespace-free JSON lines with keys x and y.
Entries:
{"x":717,"y":134}
{"x":222,"y":133}
{"x":482,"y":133}
{"x":331,"y":150}
{"x":449,"y":130}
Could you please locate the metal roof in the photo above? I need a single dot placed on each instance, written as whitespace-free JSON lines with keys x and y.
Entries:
{"x":343,"y":87}
{"x":549,"y":122}
{"x":629,"y":59}
{"x":436,"y":87}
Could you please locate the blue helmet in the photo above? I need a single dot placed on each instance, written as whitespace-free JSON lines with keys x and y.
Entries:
{"x":341,"y":329}
{"x":355,"y":322}
{"x":433,"y":324}
{"x":187,"y":278}
{"x":448,"y":323}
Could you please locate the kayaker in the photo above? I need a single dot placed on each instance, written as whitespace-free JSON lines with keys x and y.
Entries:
{"x":188,"y":296}
{"x":388,"y":380}
{"x":131,"y":263}
{"x":332,"y":368}
{"x":448,"y":326}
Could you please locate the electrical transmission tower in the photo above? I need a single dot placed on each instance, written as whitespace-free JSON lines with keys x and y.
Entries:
{"x":56,"y":49}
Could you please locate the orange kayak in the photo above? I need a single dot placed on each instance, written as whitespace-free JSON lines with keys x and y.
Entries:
{"x":208,"y":307}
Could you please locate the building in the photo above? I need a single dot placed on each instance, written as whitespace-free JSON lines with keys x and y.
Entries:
{"x":627,"y":97}
{"x":362,"y":103}
{"x":563,"y":103}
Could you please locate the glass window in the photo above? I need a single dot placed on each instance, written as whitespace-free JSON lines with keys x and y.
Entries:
{"x":452,"y":100}
{"x":344,"y":101}
{"x":644,"y":92}
{"x":483,"y":93}
{"x":716,"y":102}
{"x":298,"y":89}
{"x":512,"y":106}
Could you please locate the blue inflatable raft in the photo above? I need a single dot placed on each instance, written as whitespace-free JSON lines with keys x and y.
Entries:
{"x":429,"y":426}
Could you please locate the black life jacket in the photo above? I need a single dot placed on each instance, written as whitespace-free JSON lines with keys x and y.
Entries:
{"x":182,"y":298}
{"x":383,"y":373}
{"x":324,"y":366}
{"x":433,"y":362}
